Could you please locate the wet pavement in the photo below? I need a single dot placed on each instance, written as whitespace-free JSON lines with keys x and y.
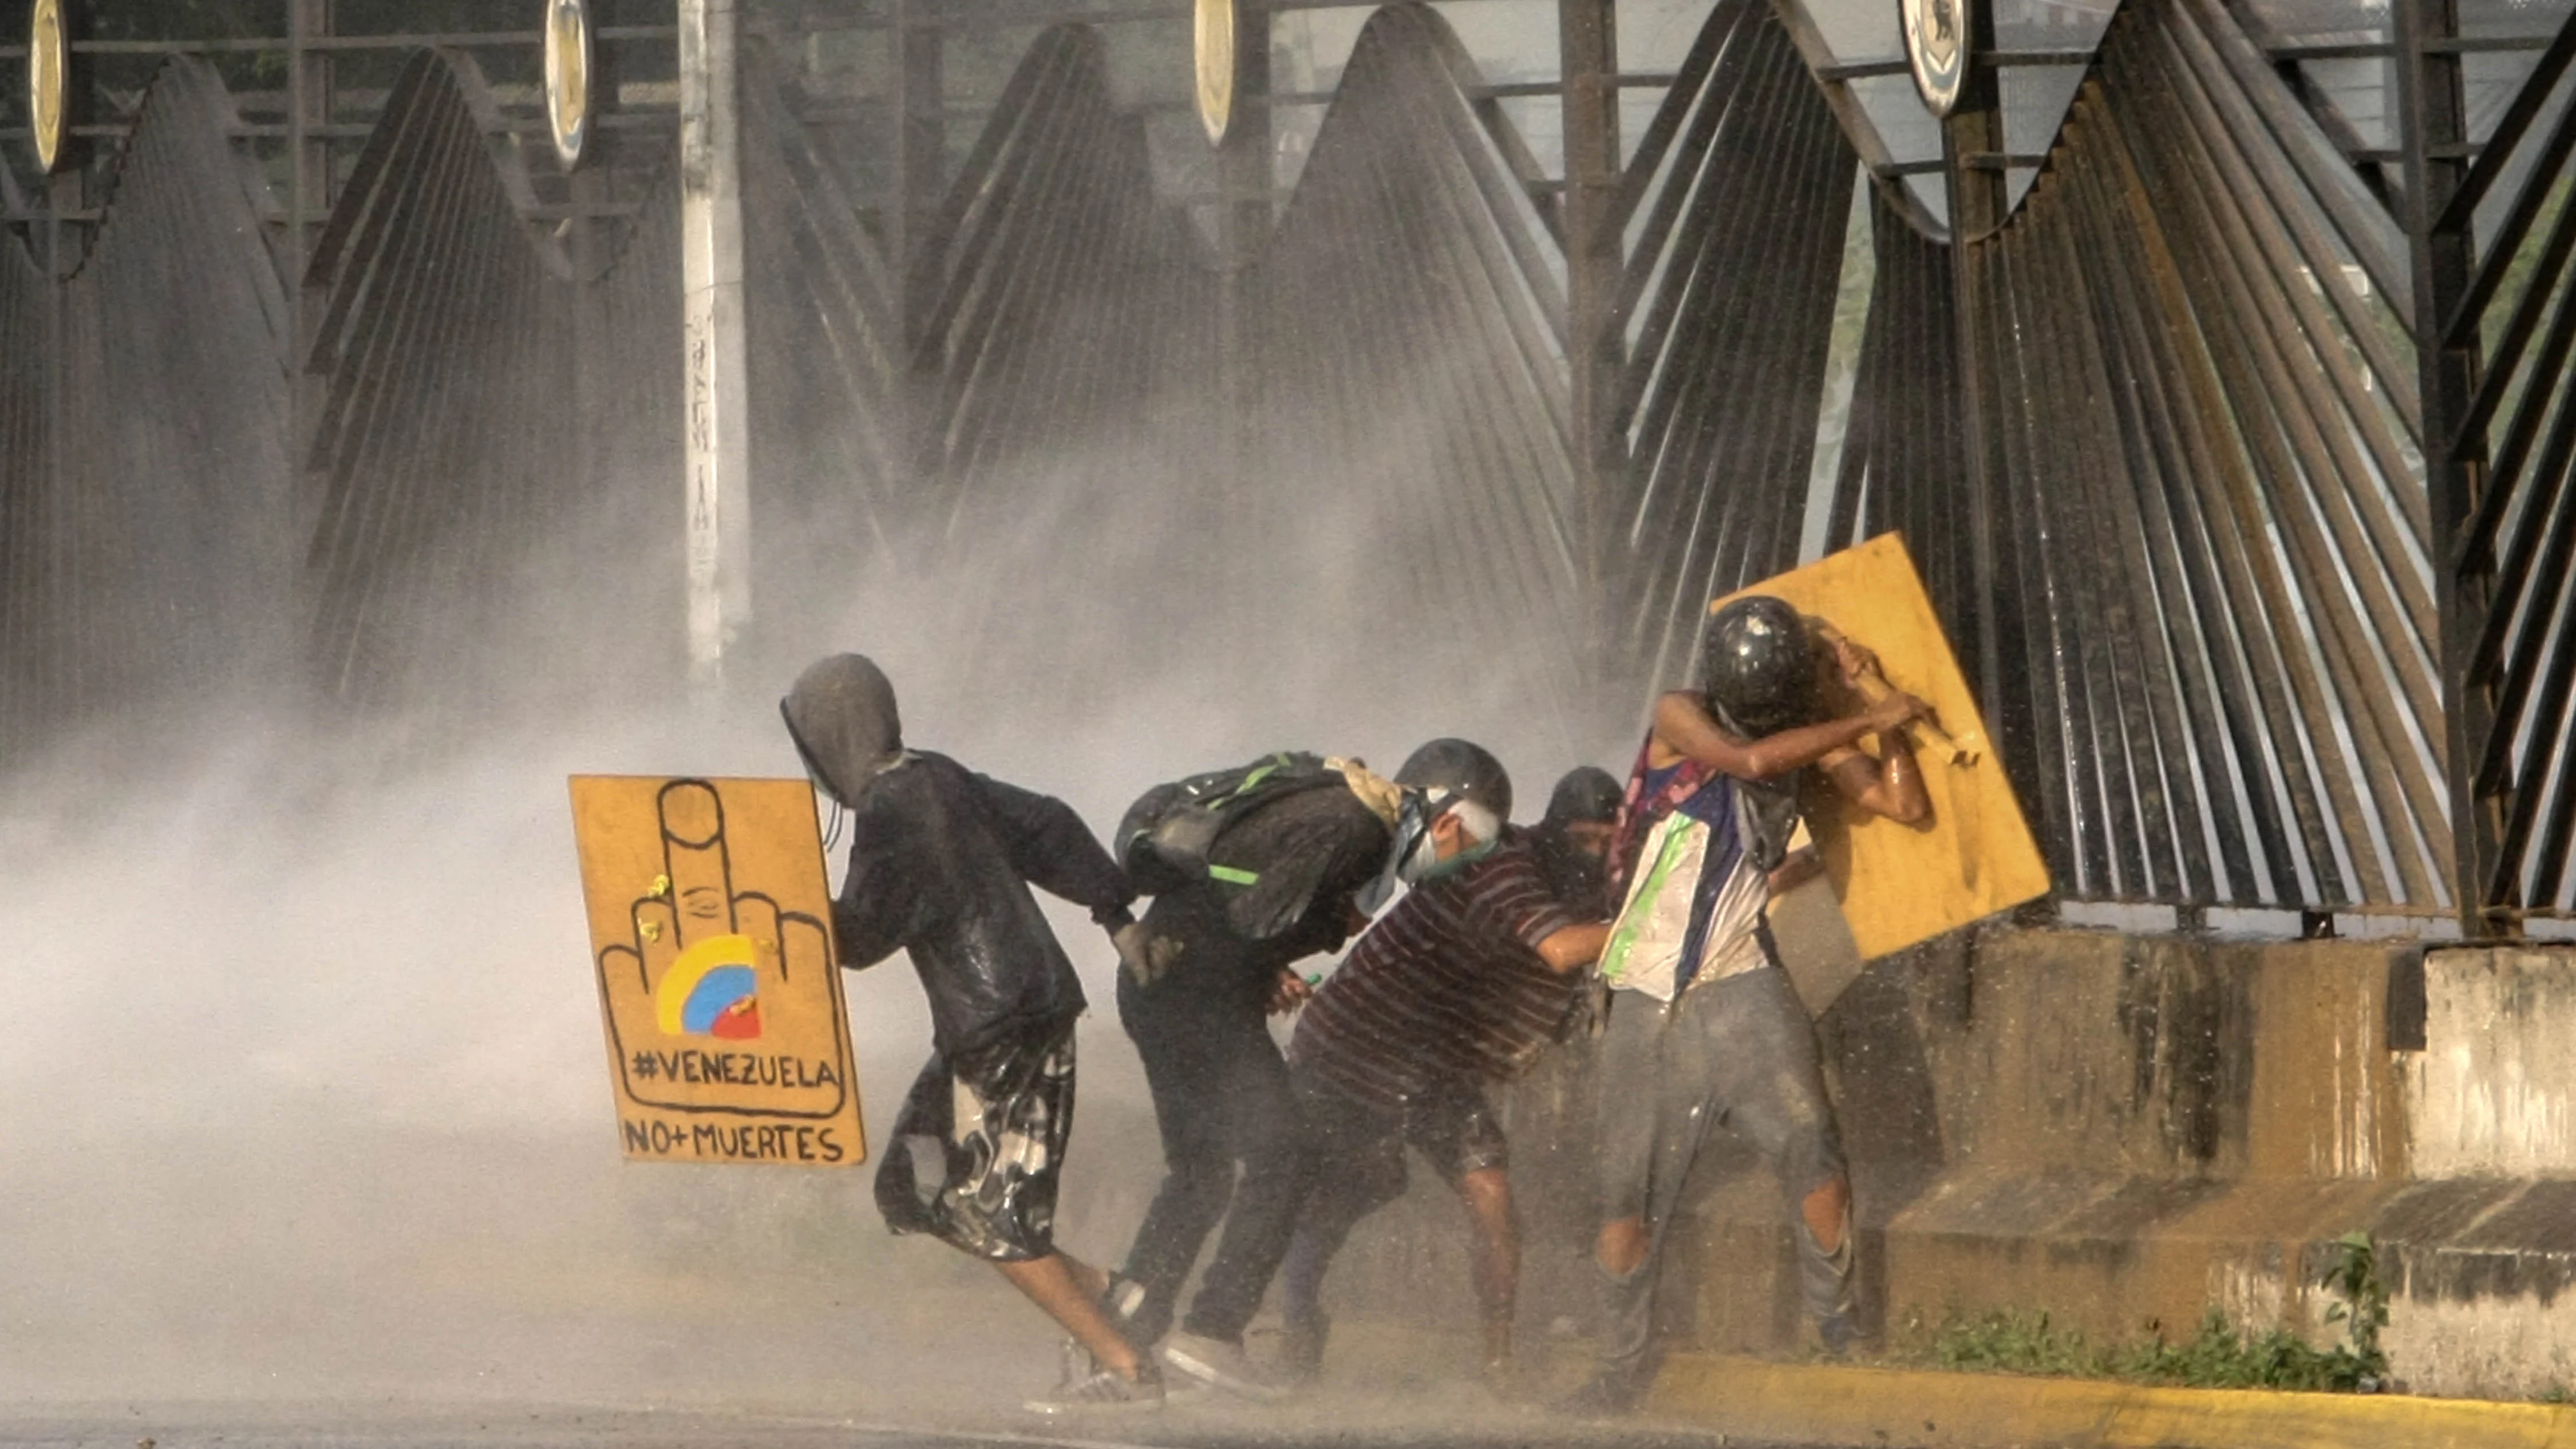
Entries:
{"x":1349,"y":1425}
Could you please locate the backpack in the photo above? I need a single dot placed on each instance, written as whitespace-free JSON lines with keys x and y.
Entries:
{"x":1164,"y":838}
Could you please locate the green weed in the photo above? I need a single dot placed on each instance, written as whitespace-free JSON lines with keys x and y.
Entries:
{"x":2217,"y":1356}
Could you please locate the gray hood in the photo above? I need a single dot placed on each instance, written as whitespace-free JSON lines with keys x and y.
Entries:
{"x":842,"y":717}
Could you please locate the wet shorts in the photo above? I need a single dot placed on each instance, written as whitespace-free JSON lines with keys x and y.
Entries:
{"x":1449,"y":1122}
{"x":979,"y":1146}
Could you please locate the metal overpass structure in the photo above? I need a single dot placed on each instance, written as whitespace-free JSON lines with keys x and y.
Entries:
{"x":2228,"y":414}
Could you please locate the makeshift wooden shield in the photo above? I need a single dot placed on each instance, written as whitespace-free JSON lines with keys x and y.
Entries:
{"x":1901,"y":884}
{"x":711,"y":935}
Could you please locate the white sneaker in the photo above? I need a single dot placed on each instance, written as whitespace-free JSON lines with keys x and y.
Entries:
{"x":1074,"y":1363}
{"x":1103,"y":1390}
{"x":1225,"y":1365}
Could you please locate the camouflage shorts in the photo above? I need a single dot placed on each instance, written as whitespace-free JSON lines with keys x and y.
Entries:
{"x":979,"y":1146}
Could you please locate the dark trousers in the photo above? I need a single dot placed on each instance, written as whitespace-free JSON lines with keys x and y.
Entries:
{"x":1367,"y":1154}
{"x":1222,"y":1099}
{"x":1449,"y":1122}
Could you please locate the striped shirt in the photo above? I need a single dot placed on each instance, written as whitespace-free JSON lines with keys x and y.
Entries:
{"x":1446,"y":985}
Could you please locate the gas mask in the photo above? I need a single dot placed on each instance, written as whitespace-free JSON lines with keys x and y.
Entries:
{"x":1484,"y":832}
{"x":1412,"y":834}
{"x":1414,"y":857}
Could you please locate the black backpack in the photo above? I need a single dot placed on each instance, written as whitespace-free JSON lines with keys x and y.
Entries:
{"x":1164,"y":838}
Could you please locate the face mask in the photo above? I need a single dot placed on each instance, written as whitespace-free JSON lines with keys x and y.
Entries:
{"x":1423,"y":862}
{"x":1420,"y":861}
{"x":1412,"y":832}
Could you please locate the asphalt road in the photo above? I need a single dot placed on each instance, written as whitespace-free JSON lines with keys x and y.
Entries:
{"x":379,"y":1426}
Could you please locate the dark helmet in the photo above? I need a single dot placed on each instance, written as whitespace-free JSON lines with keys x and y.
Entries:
{"x":1760,"y":670}
{"x":1588,"y":795}
{"x":1449,"y":770}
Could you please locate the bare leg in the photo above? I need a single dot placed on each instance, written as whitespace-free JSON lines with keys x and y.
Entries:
{"x":1055,"y":1283}
{"x":1826,"y":1211}
{"x":1091,"y":1280}
{"x":1623,"y":1246}
{"x":1495,"y":1259}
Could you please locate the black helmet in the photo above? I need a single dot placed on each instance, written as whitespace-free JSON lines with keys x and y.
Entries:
{"x":1448,"y":770}
{"x":1588,"y":795}
{"x":1760,"y":674}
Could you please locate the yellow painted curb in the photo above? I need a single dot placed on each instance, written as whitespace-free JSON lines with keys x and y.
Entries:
{"x":1899,"y":1408}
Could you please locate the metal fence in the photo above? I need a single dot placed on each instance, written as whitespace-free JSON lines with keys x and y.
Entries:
{"x":1736,"y":200}
{"x":145,"y":542}
{"x":2269,"y":605}
{"x":490,"y":403}
{"x":2208,"y":615}
{"x":2499,"y":324}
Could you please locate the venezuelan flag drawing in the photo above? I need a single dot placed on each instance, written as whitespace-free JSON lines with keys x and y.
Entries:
{"x":712,"y":990}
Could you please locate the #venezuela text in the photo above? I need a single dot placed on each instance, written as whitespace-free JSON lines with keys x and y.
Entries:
{"x":732,"y":1069}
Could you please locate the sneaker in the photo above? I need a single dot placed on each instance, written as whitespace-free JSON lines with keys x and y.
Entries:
{"x":1225,"y":1365}
{"x":1301,"y":1348}
{"x":1074,"y":1363}
{"x":1122,"y":1299}
{"x":1837,"y":1332}
{"x":1104,"y":1390}
{"x":1606,"y":1396}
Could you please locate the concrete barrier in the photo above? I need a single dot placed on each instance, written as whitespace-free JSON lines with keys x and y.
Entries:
{"x":2122,"y":1131}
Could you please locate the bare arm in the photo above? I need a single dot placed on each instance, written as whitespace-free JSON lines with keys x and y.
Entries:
{"x":1683,"y":730}
{"x":1574,"y":947}
{"x":1891,"y":785}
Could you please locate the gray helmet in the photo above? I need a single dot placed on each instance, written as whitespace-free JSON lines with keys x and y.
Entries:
{"x":1760,"y":670}
{"x":1449,"y":770}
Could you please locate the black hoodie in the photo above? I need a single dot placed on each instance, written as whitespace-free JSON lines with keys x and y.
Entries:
{"x":941,"y":861}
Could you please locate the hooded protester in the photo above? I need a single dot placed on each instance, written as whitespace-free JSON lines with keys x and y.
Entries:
{"x":1280,"y":883}
{"x":1464,"y":982}
{"x":1703,"y":1025}
{"x":941,"y":861}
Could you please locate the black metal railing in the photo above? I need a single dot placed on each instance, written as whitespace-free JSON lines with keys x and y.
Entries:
{"x":2506,"y":446}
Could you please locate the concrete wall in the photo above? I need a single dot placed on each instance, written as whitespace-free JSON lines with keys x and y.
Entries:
{"x":2490,"y":1093}
{"x":2122,"y":1131}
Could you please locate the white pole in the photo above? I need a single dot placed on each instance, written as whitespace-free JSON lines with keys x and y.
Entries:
{"x":716,"y":439}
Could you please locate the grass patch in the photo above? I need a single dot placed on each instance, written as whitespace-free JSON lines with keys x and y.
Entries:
{"x":2218,"y":1356}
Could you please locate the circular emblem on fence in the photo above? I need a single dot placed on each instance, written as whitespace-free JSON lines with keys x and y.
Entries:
{"x":568,"y":77}
{"x":1936,"y":43}
{"x":1215,"y":46}
{"x":48,"y":67}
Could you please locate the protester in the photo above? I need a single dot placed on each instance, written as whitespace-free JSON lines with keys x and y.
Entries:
{"x":941,"y":861}
{"x":1703,"y":1025}
{"x":1297,"y":840}
{"x":1572,"y":841}
{"x":1464,"y":982}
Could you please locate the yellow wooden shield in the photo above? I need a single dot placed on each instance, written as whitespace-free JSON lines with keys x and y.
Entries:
{"x":1903,"y":884}
{"x":711,"y":936}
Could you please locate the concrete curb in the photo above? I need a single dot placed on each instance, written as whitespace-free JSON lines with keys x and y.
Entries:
{"x":1932,"y":1409}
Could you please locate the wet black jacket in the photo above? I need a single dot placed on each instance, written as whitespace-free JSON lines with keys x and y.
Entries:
{"x":1309,"y":851}
{"x":941,"y":861}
